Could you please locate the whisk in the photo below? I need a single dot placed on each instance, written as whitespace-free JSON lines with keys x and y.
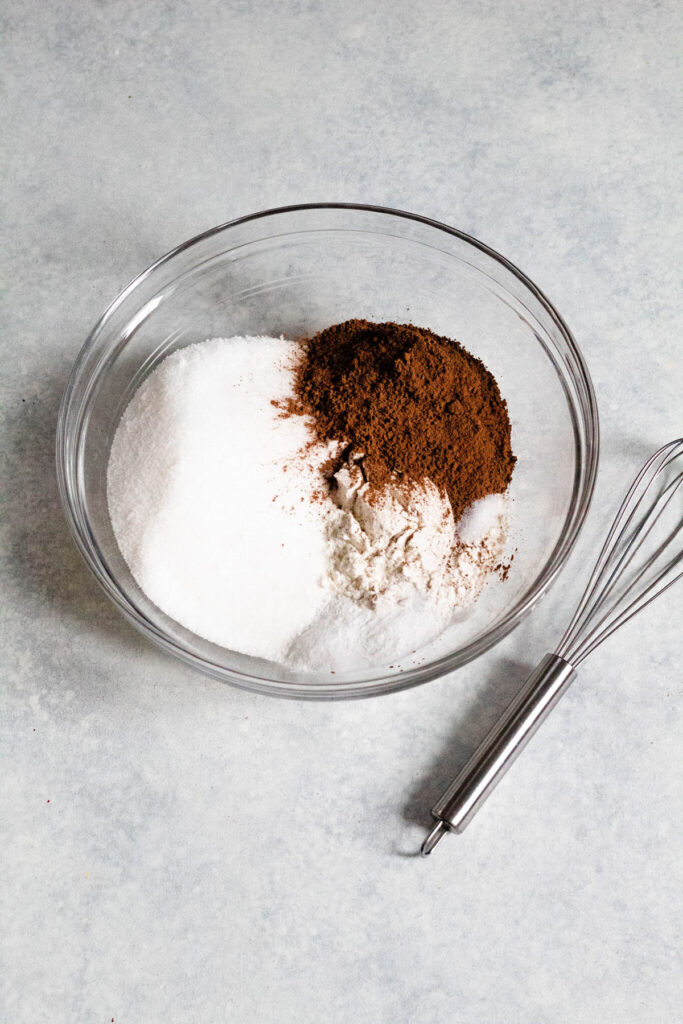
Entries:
{"x":640,"y":560}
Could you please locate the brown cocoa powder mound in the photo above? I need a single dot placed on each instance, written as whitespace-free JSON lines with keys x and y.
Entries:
{"x":412,"y":404}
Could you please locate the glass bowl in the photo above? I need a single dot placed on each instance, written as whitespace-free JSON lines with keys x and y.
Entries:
{"x":293,"y":271}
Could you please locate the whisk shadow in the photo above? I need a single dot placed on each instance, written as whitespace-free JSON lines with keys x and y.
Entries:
{"x":504,"y":680}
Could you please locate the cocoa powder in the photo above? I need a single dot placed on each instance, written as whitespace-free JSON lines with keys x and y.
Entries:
{"x":408,"y":405}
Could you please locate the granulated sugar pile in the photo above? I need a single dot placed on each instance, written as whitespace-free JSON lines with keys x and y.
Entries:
{"x":253,"y":521}
{"x":209,"y":497}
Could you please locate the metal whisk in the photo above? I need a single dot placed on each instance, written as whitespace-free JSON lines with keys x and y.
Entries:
{"x":639,"y":561}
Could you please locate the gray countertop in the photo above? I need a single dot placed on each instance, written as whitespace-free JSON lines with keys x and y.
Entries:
{"x":178,"y":851}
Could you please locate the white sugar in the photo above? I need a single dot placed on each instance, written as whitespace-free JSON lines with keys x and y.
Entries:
{"x":212,"y":498}
{"x":205,"y":485}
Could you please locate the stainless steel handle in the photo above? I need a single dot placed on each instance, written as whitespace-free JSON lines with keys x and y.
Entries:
{"x":498,"y":750}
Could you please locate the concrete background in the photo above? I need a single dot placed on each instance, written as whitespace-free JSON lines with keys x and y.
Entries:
{"x":177,"y":851}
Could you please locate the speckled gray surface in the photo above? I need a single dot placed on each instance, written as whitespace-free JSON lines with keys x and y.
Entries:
{"x":177,"y":851}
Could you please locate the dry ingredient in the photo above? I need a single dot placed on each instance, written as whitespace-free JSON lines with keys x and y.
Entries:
{"x":410,"y":405}
{"x":395,"y":594}
{"x":406,"y":538}
{"x":216,"y":534}
{"x":279,"y":499}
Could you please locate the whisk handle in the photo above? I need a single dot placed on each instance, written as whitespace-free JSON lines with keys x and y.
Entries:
{"x":505,"y":741}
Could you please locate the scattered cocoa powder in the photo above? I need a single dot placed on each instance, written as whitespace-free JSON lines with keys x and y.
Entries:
{"x":408,"y":405}
{"x":502,"y":569}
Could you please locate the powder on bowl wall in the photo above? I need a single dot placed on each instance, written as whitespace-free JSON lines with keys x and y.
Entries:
{"x":226,"y":513}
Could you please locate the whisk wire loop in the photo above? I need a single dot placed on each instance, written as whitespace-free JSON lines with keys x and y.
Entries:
{"x":634,"y":566}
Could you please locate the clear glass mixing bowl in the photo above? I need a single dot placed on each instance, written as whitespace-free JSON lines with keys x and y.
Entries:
{"x":293,"y":271}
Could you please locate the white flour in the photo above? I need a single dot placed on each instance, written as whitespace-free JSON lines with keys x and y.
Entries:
{"x":409,"y":542}
{"x":211,"y":497}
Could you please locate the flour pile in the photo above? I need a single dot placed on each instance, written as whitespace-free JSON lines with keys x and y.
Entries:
{"x":223,"y":513}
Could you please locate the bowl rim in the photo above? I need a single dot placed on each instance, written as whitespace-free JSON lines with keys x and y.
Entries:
{"x":381,"y":684}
